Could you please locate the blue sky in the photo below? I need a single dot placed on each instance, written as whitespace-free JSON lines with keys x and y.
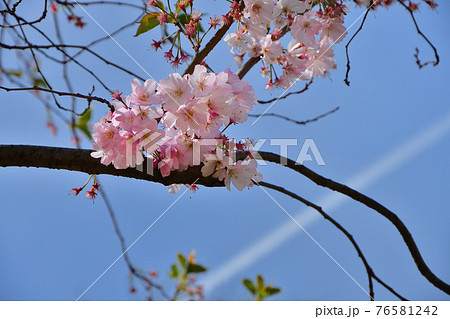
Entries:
{"x":55,"y":245}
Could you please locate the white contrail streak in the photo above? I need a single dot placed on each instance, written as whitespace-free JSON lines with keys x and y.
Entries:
{"x":307,"y":216}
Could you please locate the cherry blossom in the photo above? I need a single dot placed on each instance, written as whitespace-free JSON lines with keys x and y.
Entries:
{"x":242,"y":174}
{"x":174,"y":91}
{"x":313,"y":32}
{"x":259,"y":11}
{"x":145,"y":94}
{"x":176,"y":124}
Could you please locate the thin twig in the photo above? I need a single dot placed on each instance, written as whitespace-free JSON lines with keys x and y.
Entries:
{"x":350,"y":41}
{"x":295,"y":121}
{"x":78,"y":95}
{"x":286,"y":95}
{"x":436,"y":56}
{"x":19,"y":24}
{"x":123,"y":246}
{"x":370,"y":273}
{"x":118,"y":3}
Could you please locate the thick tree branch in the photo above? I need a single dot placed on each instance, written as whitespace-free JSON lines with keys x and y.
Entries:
{"x":201,"y":55}
{"x":247,"y":67}
{"x":80,"y":160}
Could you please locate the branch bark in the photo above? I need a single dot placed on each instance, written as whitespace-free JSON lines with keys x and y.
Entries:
{"x":201,"y":55}
{"x":80,"y":160}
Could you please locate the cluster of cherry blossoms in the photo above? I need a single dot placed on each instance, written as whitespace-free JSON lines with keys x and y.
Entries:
{"x":308,"y":54}
{"x":177,"y":123}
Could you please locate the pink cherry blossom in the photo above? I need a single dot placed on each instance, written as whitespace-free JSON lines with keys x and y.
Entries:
{"x":259,"y":11}
{"x":105,"y":134}
{"x":332,"y":32}
{"x":240,"y":40}
{"x":188,"y":118}
{"x":270,"y":49}
{"x":174,"y":91}
{"x":145,"y":94}
{"x":305,"y":28}
{"x":172,"y":158}
{"x":320,"y":62}
{"x":241,"y":174}
{"x":216,"y":166}
{"x":174,"y":188}
{"x":292,"y":6}
{"x":202,"y":82}
{"x":193,"y":108}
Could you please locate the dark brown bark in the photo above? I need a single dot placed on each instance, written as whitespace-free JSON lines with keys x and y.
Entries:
{"x":80,"y":160}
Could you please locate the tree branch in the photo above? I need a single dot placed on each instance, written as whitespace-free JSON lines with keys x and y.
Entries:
{"x":62,"y":46}
{"x":288,"y":94}
{"x":201,"y":55}
{"x":25,"y":22}
{"x":370,"y":273}
{"x":78,"y":95}
{"x":350,"y":41}
{"x":247,"y":67}
{"x":369,"y":202}
{"x":80,"y":160}
{"x":436,"y":56}
{"x":80,"y":3}
{"x":123,"y":247}
{"x":295,"y":121}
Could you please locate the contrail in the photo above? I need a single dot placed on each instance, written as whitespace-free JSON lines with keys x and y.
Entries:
{"x":308,"y":216}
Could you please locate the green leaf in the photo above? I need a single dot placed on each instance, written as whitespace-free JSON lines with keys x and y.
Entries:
{"x":194,"y":268}
{"x":199,"y":27}
{"x":178,"y":8}
{"x":185,"y":19}
{"x":260,"y":283}
{"x":17,"y":73}
{"x":85,"y":117}
{"x":182,"y":260}
{"x":82,"y":123}
{"x":249,"y":285}
{"x":160,"y":4}
{"x":174,"y":272}
{"x":272,"y":291}
{"x":39,"y":82}
{"x":148,"y":22}
{"x":84,"y":128}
